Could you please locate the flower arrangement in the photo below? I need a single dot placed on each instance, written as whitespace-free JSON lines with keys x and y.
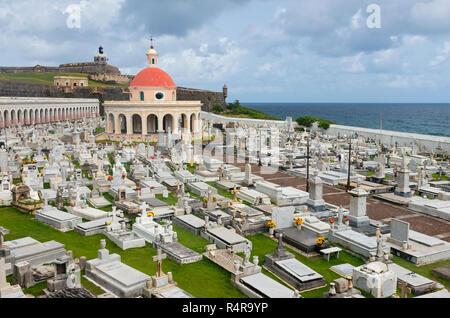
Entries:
{"x":298,"y":221}
{"x":151,"y":213}
{"x":346,"y":218}
{"x":110,"y":178}
{"x":331,"y":220}
{"x":320,"y":240}
{"x":214,"y":198}
{"x":108,"y":222}
{"x":138,"y":189}
{"x":152,"y":157}
{"x":271,"y":224}
{"x":69,"y":156}
{"x":205,"y":199}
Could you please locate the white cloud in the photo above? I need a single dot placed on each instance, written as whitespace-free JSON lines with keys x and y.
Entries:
{"x":443,"y":55}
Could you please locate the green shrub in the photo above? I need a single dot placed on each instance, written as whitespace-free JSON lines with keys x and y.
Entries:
{"x":217,"y":109}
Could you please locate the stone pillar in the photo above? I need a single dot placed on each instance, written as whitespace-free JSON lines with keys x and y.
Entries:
{"x":358,"y":217}
{"x":144,"y":124}
{"x":175,"y":119}
{"x":129,"y":125}
{"x":315,"y":201}
{"x":160,"y":123}
{"x":402,"y":188}
{"x":117,"y":125}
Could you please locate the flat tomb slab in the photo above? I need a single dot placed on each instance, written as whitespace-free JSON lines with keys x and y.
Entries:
{"x":226,"y":235}
{"x":181,"y":253}
{"x":419,"y":284}
{"x":192,"y":220}
{"x":122,"y":273}
{"x":424,"y":239}
{"x":266,"y":286}
{"x":299,"y":270}
{"x":345,"y":270}
{"x":176,"y":293}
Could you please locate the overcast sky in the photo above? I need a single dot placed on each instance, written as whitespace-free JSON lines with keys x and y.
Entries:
{"x":265,"y":51}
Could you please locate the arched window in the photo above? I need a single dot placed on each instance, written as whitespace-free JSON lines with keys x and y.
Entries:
{"x":153,"y":61}
{"x":142,"y":96}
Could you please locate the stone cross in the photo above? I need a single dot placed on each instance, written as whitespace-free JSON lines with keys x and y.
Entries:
{"x":159,"y":258}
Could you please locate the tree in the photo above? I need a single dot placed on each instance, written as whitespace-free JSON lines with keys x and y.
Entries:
{"x":305,"y":121}
{"x":324,"y":125}
{"x":217,"y":108}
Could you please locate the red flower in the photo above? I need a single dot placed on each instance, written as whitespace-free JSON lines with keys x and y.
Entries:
{"x":110,"y":178}
{"x":163,"y":157}
{"x":346,"y":218}
{"x":331,"y":220}
{"x":138,"y":189}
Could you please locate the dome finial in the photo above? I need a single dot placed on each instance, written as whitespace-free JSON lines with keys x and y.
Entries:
{"x":151,"y":42}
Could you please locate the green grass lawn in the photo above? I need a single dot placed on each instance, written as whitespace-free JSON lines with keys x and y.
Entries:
{"x":202,"y":279}
{"x":47,"y":78}
{"x":170,"y":200}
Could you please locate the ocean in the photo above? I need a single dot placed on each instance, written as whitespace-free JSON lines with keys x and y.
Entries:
{"x":429,"y":119}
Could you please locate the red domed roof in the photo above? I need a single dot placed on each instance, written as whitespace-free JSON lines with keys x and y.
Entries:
{"x":152,"y":77}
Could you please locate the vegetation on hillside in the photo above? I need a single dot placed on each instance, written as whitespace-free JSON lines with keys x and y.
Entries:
{"x":47,"y":78}
{"x":237,"y":110}
{"x":308,"y":121}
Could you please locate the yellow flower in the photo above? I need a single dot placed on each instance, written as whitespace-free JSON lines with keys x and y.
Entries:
{"x":320,"y":241}
{"x":151,"y":213}
{"x":70,"y":156}
{"x":298,"y":221}
{"x":108,"y":222}
{"x":271,"y":224}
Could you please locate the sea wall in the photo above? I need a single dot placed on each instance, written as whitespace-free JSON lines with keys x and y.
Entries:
{"x":389,"y":137}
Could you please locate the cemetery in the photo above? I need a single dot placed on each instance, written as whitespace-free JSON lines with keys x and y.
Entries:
{"x":315,"y":219}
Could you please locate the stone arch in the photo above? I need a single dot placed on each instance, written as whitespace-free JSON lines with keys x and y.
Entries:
{"x":123,"y":124}
{"x":31,"y":114}
{"x":137,"y":124}
{"x":168,"y":123}
{"x":111,"y":123}
{"x":152,"y":123}
{"x":41,"y":116}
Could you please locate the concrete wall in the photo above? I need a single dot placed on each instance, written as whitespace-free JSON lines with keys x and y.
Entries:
{"x":389,"y":138}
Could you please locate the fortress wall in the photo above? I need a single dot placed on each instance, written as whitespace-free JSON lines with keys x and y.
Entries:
{"x":208,"y":98}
